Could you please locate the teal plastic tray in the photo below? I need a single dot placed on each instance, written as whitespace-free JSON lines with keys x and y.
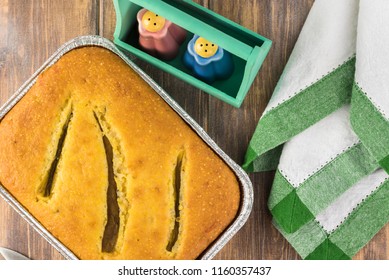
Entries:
{"x":248,"y":48}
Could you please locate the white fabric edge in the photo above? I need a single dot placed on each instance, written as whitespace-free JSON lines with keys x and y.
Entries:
{"x":336,"y":213}
{"x":327,"y":40}
{"x":372,"y":63}
{"x":309,"y":151}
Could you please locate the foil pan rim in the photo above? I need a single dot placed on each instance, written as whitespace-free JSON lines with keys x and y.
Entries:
{"x":95,"y":40}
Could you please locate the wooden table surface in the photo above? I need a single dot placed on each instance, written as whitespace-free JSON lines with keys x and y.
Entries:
{"x":31,"y":30}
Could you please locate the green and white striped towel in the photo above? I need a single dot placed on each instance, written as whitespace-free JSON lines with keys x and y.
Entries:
{"x":329,"y":191}
{"x":370,"y":97}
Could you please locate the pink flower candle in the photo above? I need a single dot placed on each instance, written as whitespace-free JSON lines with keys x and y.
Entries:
{"x":159,"y":36}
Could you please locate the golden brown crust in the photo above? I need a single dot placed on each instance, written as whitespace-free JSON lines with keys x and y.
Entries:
{"x":91,"y":94}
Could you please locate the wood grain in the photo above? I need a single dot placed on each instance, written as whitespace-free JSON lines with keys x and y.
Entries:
{"x":30,"y":31}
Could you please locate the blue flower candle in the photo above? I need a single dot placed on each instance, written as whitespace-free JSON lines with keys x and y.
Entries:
{"x":208,"y":61}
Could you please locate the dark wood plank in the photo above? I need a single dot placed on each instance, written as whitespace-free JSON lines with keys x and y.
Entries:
{"x":280,"y":21}
{"x":30,"y":32}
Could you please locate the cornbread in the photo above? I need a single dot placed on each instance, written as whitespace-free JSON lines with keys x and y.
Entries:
{"x":97,"y":157}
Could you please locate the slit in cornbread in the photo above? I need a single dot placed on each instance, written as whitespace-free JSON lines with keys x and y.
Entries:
{"x":176,"y":196}
{"x":111,"y":229}
{"x":117,"y":203}
{"x":59,"y":137}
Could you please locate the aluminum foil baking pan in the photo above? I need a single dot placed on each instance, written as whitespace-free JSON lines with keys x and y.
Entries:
{"x":245,"y":183}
